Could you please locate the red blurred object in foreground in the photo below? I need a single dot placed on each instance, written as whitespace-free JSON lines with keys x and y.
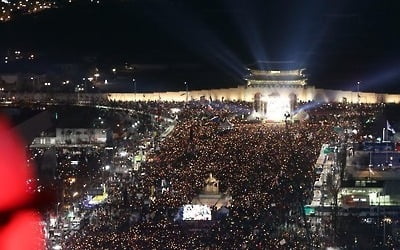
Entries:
{"x":19,"y":222}
{"x":397,"y":146}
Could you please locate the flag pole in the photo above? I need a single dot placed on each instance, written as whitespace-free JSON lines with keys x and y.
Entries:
{"x":387,"y":128}
{"x":387,"y":134}
{"x":383,"y":135}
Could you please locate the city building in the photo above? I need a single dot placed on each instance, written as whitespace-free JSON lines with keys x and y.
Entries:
{"x":14,"y":81}
{"x":371,"y":177}
{"x":72,"y":136}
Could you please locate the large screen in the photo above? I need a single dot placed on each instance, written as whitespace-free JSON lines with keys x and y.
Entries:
{"x":196,"y":212}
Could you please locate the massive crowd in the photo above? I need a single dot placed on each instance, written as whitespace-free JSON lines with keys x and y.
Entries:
{"x":266,"y":168}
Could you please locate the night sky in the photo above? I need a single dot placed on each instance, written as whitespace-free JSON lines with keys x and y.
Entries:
{"x":210,"y":43}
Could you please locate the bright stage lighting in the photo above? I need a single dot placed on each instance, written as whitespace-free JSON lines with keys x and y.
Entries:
{"x":277,"y":107}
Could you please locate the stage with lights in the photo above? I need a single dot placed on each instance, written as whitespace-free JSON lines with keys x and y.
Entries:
{"x":272,"y":108}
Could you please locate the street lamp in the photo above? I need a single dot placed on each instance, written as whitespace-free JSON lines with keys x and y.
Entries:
{"x":96,"y":75}
{"x":58,"y":204}
{"x":187,"y":91}
{"x":47,"y":86}
{"x":358,"y":92}
{"x":33,"y":84}
{"x":134,"y":86}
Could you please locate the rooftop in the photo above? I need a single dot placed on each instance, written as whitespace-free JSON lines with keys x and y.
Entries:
{"x":275,"y":73}
{"x":274,"y":65}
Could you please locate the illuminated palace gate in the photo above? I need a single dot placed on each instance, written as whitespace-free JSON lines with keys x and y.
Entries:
{"x":277,"y":91}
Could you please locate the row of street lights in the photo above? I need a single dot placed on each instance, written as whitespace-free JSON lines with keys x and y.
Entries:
{"x":98,"y":75}
{"x":186,"y":89}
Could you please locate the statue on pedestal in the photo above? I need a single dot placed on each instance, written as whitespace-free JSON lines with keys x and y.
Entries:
{"x":211,"y":196}
{"x":212,"y":185}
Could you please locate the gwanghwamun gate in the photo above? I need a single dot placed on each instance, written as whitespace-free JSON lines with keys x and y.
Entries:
{"x":273,"y":92}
